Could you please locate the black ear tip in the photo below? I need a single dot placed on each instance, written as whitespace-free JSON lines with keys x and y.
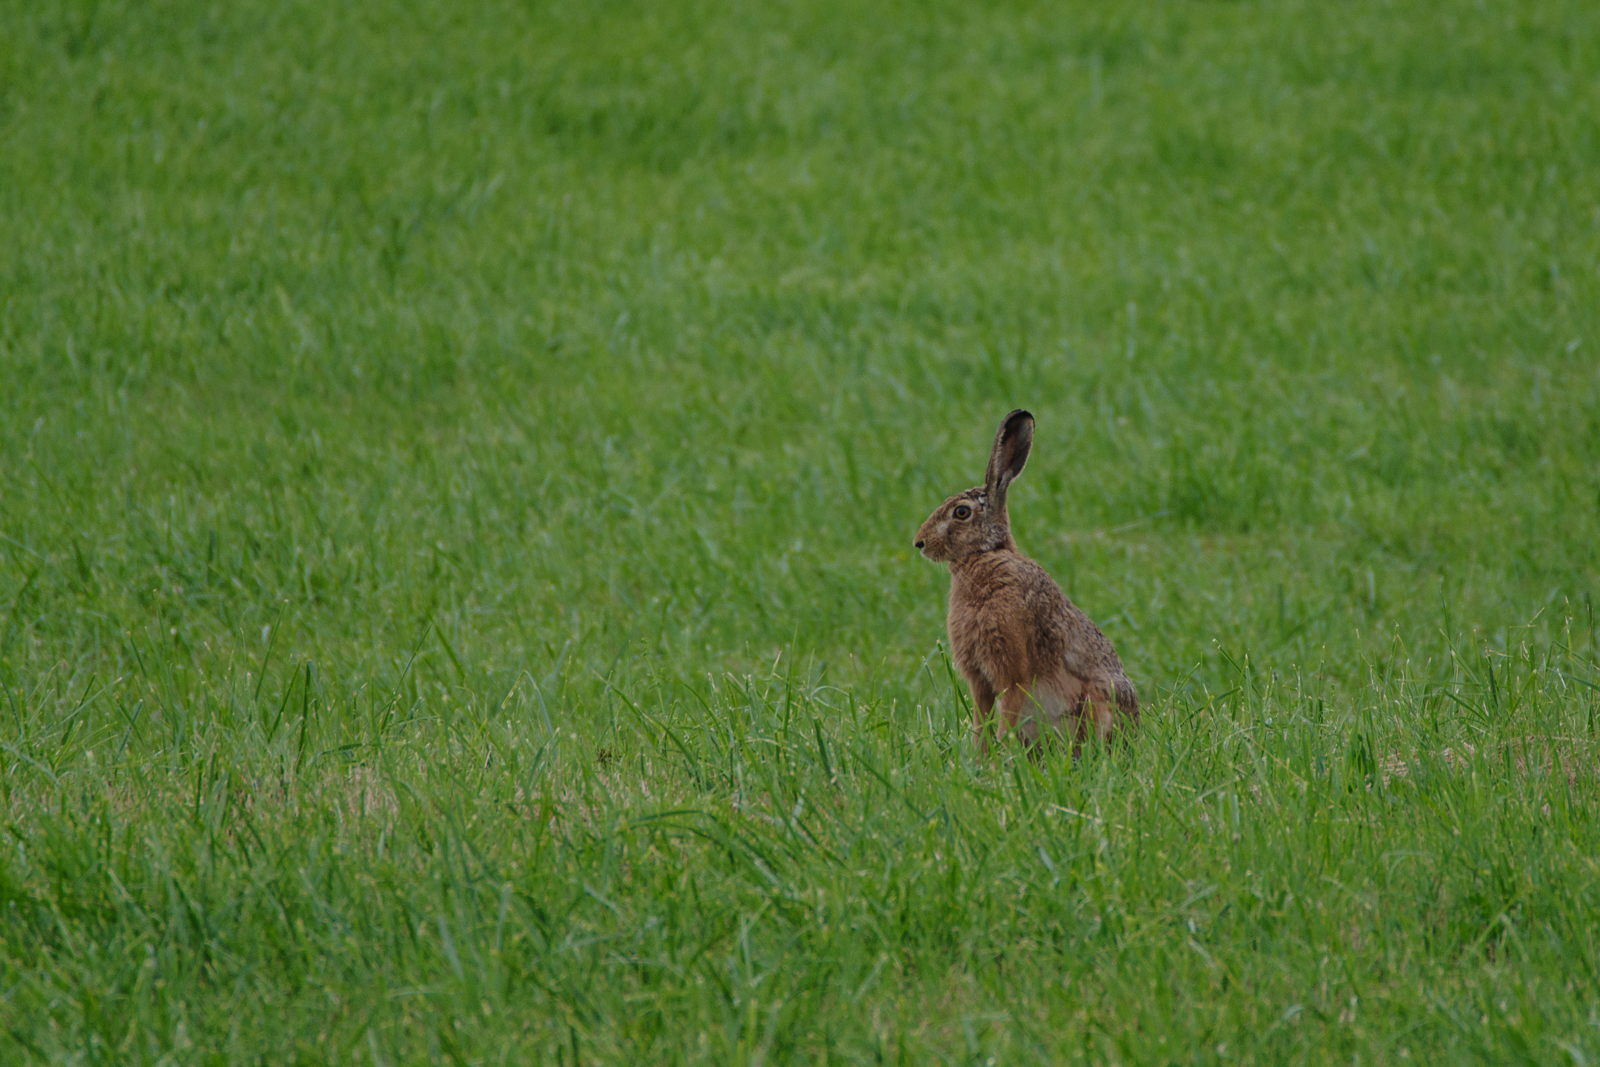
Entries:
{"x":1016,"y":417}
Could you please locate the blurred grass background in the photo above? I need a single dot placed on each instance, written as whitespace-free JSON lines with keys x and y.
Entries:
{"x":394,"y":394}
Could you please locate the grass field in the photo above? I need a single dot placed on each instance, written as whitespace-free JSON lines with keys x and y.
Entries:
{"x":458,"y":465}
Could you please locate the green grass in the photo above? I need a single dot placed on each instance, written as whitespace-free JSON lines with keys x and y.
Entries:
{"x":458,"y":466}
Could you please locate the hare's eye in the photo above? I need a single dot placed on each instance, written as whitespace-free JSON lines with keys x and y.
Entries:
{"x":963,"y":512}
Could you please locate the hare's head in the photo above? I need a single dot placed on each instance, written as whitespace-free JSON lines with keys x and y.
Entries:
{"x":975,"y":520}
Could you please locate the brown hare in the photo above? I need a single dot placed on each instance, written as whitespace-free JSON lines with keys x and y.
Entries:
{"x":1013,"y":632}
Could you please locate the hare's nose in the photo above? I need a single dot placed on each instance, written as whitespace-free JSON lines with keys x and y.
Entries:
{"x":919,"y":544}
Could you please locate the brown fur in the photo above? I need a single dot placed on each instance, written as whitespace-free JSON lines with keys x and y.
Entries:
{"x":1014,"y":634}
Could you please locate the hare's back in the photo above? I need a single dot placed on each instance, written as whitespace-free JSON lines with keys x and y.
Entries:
{"x":1060,"y":631}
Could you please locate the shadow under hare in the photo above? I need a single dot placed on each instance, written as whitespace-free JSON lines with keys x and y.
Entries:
{"x":1013,"y":632}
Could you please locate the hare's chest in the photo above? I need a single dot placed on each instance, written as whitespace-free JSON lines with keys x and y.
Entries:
{"x":987,"y":635}
{"x":965,"y":638}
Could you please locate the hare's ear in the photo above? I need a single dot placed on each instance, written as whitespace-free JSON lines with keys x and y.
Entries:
{"x":1011,"y":446}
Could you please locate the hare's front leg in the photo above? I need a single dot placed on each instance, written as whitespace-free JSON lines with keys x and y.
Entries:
{"x":1011,"y":705}
{"x":982,"y":711}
